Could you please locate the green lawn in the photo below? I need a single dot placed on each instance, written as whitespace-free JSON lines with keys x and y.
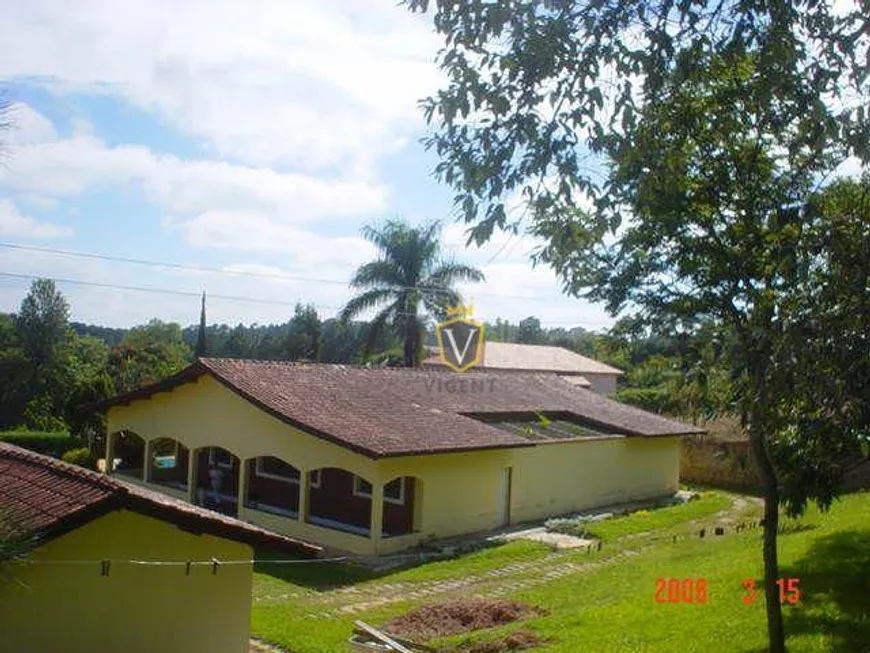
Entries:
{"x":611,"y":607}
{"x":676,"y":519}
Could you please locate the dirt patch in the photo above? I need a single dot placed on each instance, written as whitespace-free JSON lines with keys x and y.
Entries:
{"x":519,"y":640}
{"x":454,"y":617}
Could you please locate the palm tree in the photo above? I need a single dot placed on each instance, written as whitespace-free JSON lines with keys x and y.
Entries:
{"x":408,"y":275}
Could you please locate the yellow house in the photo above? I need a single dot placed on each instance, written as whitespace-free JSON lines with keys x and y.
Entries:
{"x":120,"y":568}
{"x":373,"y":461}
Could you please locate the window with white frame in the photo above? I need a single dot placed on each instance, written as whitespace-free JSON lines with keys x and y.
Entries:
{"x":361,"y":487}
{"x":276,"y":469}
{"x":220,"y":457}
{"x":314,"y":478}
{"x":394,"y":491}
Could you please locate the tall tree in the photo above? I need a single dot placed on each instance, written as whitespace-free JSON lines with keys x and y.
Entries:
{"x":530,"y":331}
{"x":303,"y":337}
{"x":43,"y":322}
{"x":14,"y":374}
{"x":409,"y":277}
{"x":201,"y":335}
{"x":719,"y":119}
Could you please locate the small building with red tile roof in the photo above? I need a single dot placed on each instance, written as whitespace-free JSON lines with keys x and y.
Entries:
{"x":373,"y":461}
{"x":516,"y":357}
{"x":105,"y":564}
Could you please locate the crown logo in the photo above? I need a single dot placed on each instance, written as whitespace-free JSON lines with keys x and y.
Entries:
{"x":461,"y":310}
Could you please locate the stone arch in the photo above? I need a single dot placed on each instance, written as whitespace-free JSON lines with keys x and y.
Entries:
{"x":168,"y":463}
{"x":217,"y":475}
{"x":128,"y":454}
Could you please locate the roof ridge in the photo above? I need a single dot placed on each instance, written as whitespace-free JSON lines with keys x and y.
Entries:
{"x":378,"y":368}
{"x":71,"y":470}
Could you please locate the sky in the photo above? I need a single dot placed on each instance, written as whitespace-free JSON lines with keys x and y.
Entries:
{"x":250,"y":140}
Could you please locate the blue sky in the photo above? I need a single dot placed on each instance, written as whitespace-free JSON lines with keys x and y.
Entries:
{"x":254,"y":137}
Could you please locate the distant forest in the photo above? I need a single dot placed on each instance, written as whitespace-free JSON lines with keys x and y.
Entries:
{"x":51,"y":367}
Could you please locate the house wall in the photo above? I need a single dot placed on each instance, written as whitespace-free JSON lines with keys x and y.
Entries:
{"x":135,"y":609}
{"x":566,"y":477}
{"x":603,"y":384}
{"x":458,"y":492}
{"x":207,"y":414}
{"x":454,"y":493}
{"x":461,"y":491}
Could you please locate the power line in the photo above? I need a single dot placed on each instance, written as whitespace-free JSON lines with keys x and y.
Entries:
{"x":235,"y":298}
{"x":245,"y":273}
{"x":164,"y":264}
{"x":166,"y":291}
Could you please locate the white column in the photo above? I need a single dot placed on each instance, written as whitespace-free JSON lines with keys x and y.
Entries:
{"x":377,"y":519}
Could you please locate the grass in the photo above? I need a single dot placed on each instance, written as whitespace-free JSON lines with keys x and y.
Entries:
{"x":678,"y":517}
{"x":611,"y":607}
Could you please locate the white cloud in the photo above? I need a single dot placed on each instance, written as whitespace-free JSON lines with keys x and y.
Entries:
{"x":40,"y":202}
{"x":15,"y":224}
{"x":27,"y":127}
{"x":250,"y":231}
{"x":68,"y":167}
{"x":298,"y":101}
{"x":303,"y":84}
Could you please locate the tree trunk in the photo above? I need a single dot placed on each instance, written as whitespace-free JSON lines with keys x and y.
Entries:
{"x":775,"y":632}
{"x":410,"y":341}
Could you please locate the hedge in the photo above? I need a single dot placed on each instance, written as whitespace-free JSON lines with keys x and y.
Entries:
{"x":50,"y":444}
{"x":81,"y":457}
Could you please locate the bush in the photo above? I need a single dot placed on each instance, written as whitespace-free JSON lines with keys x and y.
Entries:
{"x":577,"y":525}
{"x":81,"y":457}
{"x":49,"y":443}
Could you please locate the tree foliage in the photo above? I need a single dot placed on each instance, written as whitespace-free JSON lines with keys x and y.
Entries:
{"x":147,"y":354}
{"x":407,"y":283}
{"x":530,"y":332}
{"x":670,"y":154}
{"x":43,"y":323}
{"x":303,"y":339}
{"x":538,"y":91}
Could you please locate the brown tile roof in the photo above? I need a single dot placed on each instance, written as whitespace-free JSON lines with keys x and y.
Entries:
{"x":581,"y":381}
{"x":533,"y":358}
{"x":47,"y":497}
{"x":392,"y":412}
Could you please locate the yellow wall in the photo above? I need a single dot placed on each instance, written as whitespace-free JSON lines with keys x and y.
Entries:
{"x":457,"y":493}
{"x":206,"y":414}
{"x":564,"y":477}
{"x":135,"y":609}
{"x":461,"y":491}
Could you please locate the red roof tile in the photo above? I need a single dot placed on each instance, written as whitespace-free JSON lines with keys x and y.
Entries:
{"x":43,"y":496}
{"x":392,"y":412}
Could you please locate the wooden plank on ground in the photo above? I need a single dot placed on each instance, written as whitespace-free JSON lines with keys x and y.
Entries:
{"x":414,"y":646}
{"x":377,"y":634}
